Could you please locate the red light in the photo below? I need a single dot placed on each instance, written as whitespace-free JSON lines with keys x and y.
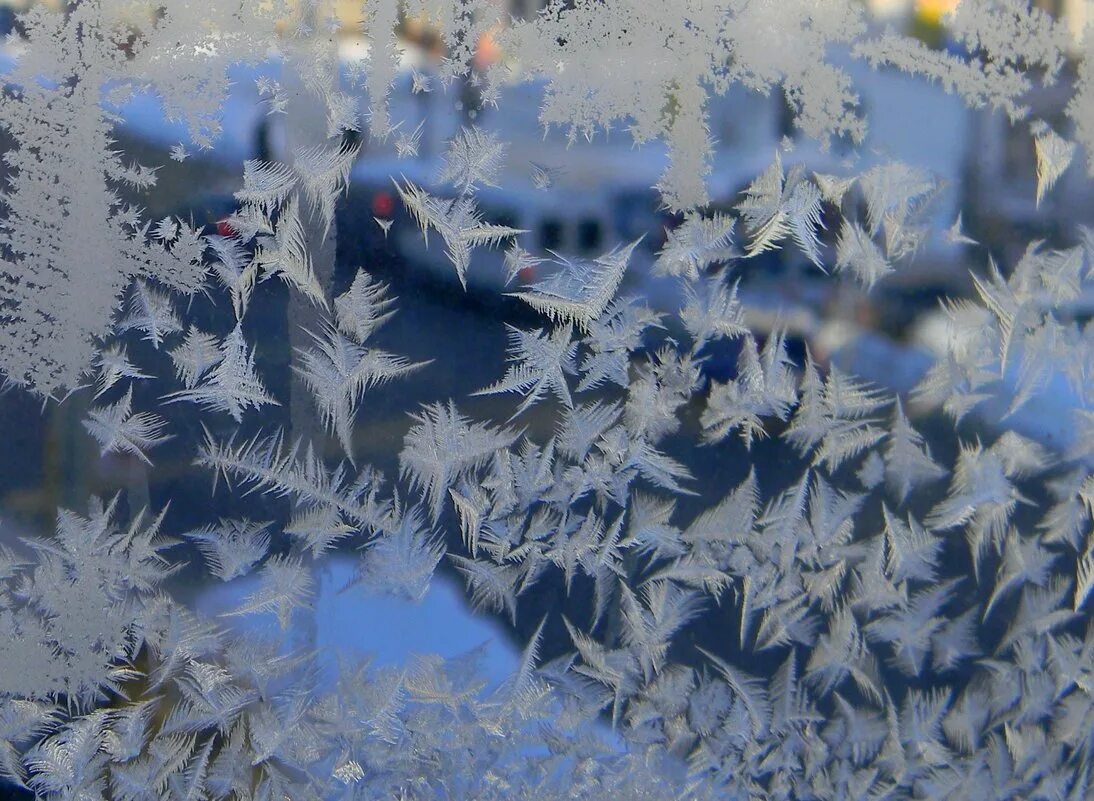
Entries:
{"x":526,"y":274}
{"x":223,"y":228}
{"x":383,"y":204}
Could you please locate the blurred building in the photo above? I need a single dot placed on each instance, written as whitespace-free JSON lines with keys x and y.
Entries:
{"x":996,"y":183}
{"x":1001,"y":180}
{"x":1001,"y":172}
{"x":933,"y":12}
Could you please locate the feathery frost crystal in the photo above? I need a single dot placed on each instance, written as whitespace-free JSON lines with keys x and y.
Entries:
{"x":758,"y":535}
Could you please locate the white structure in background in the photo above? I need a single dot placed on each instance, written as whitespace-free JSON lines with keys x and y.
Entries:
{"x":1074,"y":11}
{"x":1002,"y":177}
{"x":597,"y":198}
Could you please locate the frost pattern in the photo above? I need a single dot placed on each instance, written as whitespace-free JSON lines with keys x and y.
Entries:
{"x":897,"y":623}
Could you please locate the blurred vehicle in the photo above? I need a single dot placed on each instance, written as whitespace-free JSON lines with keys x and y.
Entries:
{"x":580,"y":202}
{"x":564,"y":221}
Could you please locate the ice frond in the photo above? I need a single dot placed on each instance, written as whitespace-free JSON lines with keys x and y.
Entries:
{"x":909,"y":630}
{"x":831,"y":519}
{"x":424,"y":207}
{"x":762,"y":208}
{"x":233,"y":267}
{"x":784,"y":515}
{"x":323,"y":172}
{"x":266,"y":185}
{"x":442,"y":446}
{"x":857,"y":254}
{"x":697,"y":243}
{"x":728,"y":523}
{"x":113,"y":365}
{"x":803,"y":212}
{"x":231,"y":547}
{"x":956,"y":235}
{"x":749,"y":690}
{"x":920,"y":725}
{"x":150,"y":311}
{"x":524,"y":688}
{"x":663,"y":384}
{"x":955,"y":641}
{"x":210,"y":700}
{"x":263,"y":464}
{"x":517,"y":260}
{"x":248,"y":223}
{"x":539,"y":362}
{"x":471,"y":506}
{"x":582,"y":290}
{"x":196,"y":356}
{"x":656,"y":467}
{"x":982,"y":497}
{"x":908,"y":462}
{"x":493,"y":587}
{"x":650,"y":621}
{"x":764,"y":387}
{"x":792,"y":707}
{"x":896,"y":194}
{"x":232,"y":386}
{"x":712,"y":311}
{"x":1007,"y":307}
{"x":88,"y":588}
{"x":776,"y":206}
{"x":285,"y":585}
{"x":401,"y":560}
{"x":833,"y":187}
{"x":1054,"y":156}
{"x":911,"y":551}
{"x":1084,"y":579}
{"x":66,"y":762}
{"x":119,"y":430}
{"x":457,"y":220}
{"x":129,"y":730}
{"x":1041,"y":610}
{"x":543,"y":177}
{"x":583,"y":425}
{"x":285,"y":254}
{"x":363,"y":308}
{"x":319,"y":528}
{"x":841,"y":653}
{"x":473,"y":158}
{"x":189,"y":784}
{"x":338,"y":372}
{"x":1025,"y":561}
{"x":22,"y":721}
{"x":166,"y":230}
{"x":1065,"y":519}
{"x":407,"y":143}
{"x":611,"y":342}
{"x":836,"y":417}
{"x":955,"y":386}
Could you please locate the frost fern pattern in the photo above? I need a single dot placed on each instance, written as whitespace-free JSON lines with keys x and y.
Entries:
{"x":773,"y":581}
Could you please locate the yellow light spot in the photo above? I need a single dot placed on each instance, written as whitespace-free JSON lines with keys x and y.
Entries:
{"x":934,"y":10}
